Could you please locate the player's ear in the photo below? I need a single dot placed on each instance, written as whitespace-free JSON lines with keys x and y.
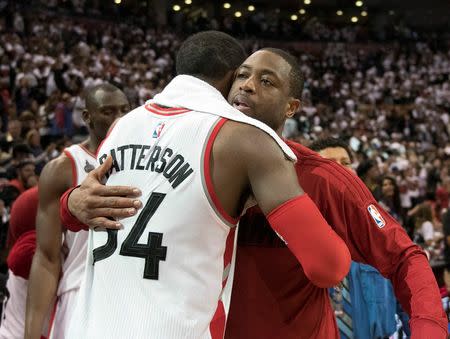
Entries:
{"x":86,"y":117}
{"x":293,"y":107}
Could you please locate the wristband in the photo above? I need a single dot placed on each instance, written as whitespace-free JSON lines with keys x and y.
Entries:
{"x":67,"y":219}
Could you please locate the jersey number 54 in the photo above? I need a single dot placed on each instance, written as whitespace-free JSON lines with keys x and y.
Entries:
{"x":153,"y":252}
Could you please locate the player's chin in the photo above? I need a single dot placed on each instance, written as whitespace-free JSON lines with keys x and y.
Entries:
{"x":246,"y":110}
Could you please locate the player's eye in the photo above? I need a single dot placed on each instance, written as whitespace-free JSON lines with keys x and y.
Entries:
{"x":266,"y":82}
{"x":241,"y":76}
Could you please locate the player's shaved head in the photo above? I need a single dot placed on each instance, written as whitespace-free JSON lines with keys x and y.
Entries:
{"x":93,"y":97}
{"x":296,"y":79}
{"x":104,"y":104}
{"x":209,"y":55}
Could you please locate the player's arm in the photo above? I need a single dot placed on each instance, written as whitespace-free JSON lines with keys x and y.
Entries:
{"x":292,"y":214}
{"x":93,"y":204}
{"x":55,"y":178}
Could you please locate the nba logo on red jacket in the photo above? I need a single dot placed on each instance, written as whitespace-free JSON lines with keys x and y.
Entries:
{"x":379,"y":220}
{"x":158,"y":130}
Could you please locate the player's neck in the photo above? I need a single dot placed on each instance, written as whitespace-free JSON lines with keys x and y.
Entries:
{"x":280,"y":131}
{"x":91,"y":144}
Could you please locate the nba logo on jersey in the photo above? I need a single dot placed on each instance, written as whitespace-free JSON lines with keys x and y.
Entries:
{"x":158,"y":130}
{"x":376,"y":216}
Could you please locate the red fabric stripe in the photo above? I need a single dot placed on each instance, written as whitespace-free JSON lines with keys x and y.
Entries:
{"x":217,"y":325}
{"x":165,"y":110}
{"x":52,"y":318}
{"x":207,"y":174}
{"x":228,"y":250}
{"x":74,"y":168}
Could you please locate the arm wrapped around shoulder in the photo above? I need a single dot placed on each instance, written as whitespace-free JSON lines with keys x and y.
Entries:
{"x":67,"y":219}
{"x":323,"y":255}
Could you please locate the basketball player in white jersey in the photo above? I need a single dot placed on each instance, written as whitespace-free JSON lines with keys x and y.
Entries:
{"x":22,"y":240}
{"x":196,"y":160}
{"x":58,"y":264}
{"x":19,"y":262}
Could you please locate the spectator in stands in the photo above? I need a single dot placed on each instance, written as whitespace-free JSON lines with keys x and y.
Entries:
{"x":369,"y":173}
{"x":390,"y":198}
{"x":424,"y":234}
{"x":26,"y":176}
{"x":13,"y":136}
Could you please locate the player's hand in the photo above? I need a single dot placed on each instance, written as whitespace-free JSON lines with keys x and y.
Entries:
{"x":99,"y":206}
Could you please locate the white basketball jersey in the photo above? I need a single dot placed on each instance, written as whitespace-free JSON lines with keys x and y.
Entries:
{"x":163,"y":274}
{"x":73,"y":265}
{"x":13,"y":322}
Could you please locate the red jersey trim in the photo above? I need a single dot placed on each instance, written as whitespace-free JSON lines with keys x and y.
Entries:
{"x":74,"y":168}
{"x":217,"y":324}
{"x":207,"y":174}
{"x":153,"y":108}
{"x":52,"y":318}
{"x":88,"y":151}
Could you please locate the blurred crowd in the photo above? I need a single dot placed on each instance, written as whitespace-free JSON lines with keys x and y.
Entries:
{"x":391,"y":104}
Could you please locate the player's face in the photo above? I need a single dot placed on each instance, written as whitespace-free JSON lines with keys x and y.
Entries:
{"x":261,"y":89}
{"x":110,"y":106}
{"x":337,"y":154}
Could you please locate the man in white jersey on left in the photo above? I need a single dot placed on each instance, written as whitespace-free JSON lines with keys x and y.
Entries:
{"x":22,"y":244}
{"x":59,"y":261}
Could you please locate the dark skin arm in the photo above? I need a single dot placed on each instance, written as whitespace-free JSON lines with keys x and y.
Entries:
{"x":55,"y":179}
{"x":262,"y":170}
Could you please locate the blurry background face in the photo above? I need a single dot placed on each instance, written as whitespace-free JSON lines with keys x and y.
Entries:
{"x":15,"y":128}
{"x":35,"y":139}
{"x":388,"y":188}
{"x":26,"y":172}
{"x":337,"y":154}
{"x":373,"y":173}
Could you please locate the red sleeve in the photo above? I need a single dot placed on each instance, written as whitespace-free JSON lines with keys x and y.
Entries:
{"x":375,"y":238}
{"x":299,"y":223}
{"x":67,"y":219}
{"x":21,"y":255}
{"x":23,"y":215}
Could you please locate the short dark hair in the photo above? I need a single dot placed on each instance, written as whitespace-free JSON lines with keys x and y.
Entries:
{"x":296,"y":78}
{"x":90,"y":92}
{"x":209,"y":55}
{"x":324,"y":143}
{"x":364,"y":167}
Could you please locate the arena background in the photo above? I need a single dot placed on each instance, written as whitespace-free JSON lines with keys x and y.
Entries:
{"x":376,"y":75}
